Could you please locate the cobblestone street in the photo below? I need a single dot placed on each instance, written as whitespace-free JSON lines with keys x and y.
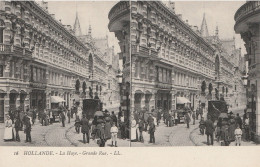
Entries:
{"x":169,"y":136}
{"x":55,"y":135}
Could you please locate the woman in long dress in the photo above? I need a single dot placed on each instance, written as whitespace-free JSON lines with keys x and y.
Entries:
{"x":133,"y":129}
{"x":8,"y":135}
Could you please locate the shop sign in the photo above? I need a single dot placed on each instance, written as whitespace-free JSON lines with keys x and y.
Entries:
{"x":37,"y":85}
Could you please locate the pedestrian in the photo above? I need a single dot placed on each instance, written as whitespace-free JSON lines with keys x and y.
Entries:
{"x":246,"y":125}
{"x":231,"y":129}
{"x":107,"y":128}
{"x":114,"y":118}
{"x":158,"y":117}
{"x":114,"y":131}
{"x":8,"y":134}
{"x":62,"y":116}
{"x":151,"y":132}
{"x":146,"y":121}
{"x":85,"y":128}
{"x":77,"y":124}
{"x":17,"y":128}
{"x":226,"y":136}
{"x":28,"y":129}
{"x":33,"y":116}
{"x":218,"y":130}
{"x":187,"y":119}
{"x":209,"y":130}
{"x":141,"y":129}
{"x":238,"y":134}
{"x":238,"y":121}
{"x":101,"y":134}
{"x":68,"y":115}
{"x":193,"y":117}
{"x":202,"y":126}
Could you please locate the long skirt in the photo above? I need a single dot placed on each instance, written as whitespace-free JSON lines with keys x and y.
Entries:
{"x":133,"y":134}
{"x":8,"y":135}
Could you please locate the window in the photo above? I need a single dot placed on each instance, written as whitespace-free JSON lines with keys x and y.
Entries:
{"x":2,"y":26}
{"x":1,"y":71}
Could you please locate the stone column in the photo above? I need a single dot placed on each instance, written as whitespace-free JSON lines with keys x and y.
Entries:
{"x":6,"y":103}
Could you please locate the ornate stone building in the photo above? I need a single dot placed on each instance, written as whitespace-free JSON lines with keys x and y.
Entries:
{"x":247,"y":24}
{"x":41,"y":57}
{"x":172,"y":59}
{"x":119,"y":23}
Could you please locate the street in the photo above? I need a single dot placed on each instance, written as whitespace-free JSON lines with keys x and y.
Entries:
{"x":179,"y":135}
{"x":55,"y":135}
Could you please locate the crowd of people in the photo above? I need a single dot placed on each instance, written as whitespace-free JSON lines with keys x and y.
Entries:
{"x":145,"y":121}
{"x":103,"y":127}
{"x":228,"y":128}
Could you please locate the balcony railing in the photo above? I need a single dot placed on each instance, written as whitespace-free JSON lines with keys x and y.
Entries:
{"x":246,"y":9}
{"x":10,"y":49}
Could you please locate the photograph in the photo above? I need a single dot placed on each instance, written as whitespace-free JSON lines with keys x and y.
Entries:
{"x":62,"y":81}
{"x":194,"y":73}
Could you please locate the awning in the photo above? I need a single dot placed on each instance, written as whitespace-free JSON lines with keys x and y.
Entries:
{"x":56,"y":99}
{"x":182,"y":100}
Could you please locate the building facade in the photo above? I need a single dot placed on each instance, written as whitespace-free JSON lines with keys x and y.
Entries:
{"x":172,"y":59}
{"x":119,"y":23}
{"x":41,"y":58}
{"x":247,"y":24}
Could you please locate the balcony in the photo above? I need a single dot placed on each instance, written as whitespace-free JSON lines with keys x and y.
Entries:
{"x":119,"y":14}
{"x":249,"y":12}
{"x":7,"y":49}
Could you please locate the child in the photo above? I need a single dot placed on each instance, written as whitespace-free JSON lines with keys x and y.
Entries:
{"x":114,"y":131}
{"x":238,"y":135}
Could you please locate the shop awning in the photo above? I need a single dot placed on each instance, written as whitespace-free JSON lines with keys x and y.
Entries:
{"x":57,"y":99}
{"x":182,"y":100}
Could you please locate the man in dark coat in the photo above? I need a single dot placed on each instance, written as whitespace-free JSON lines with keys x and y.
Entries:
{"x":28,"y":128}
{"x":62,"y":116}
{"x":141,"y":129}
{"x":85,"y":128}
{"x":187,"y":118}
{"x":209,"y":130}
{"x":17,"y":128}
{"x":68,"y":115}
{"x":158,"y":117}
{"x":151,"y":131}
{"x":114,"y":118}
{"x":239,"y":121}
{"x":34,"y":114}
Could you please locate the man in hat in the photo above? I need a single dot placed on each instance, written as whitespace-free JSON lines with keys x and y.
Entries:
{"x":28,"y":128}
{"x":17,"y":128}
{"x":151,"y":132}
{"x":85,"y":128}
{"x":209,"y":130}
{"x":62,"y":116}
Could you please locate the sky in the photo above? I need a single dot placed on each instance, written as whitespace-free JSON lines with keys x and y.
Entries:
{"x":219,"y":14}
{"x":89,"y":12}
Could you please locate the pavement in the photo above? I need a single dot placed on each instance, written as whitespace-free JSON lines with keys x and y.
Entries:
{"x":55,"y":135}
{"x":180,"y":135}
